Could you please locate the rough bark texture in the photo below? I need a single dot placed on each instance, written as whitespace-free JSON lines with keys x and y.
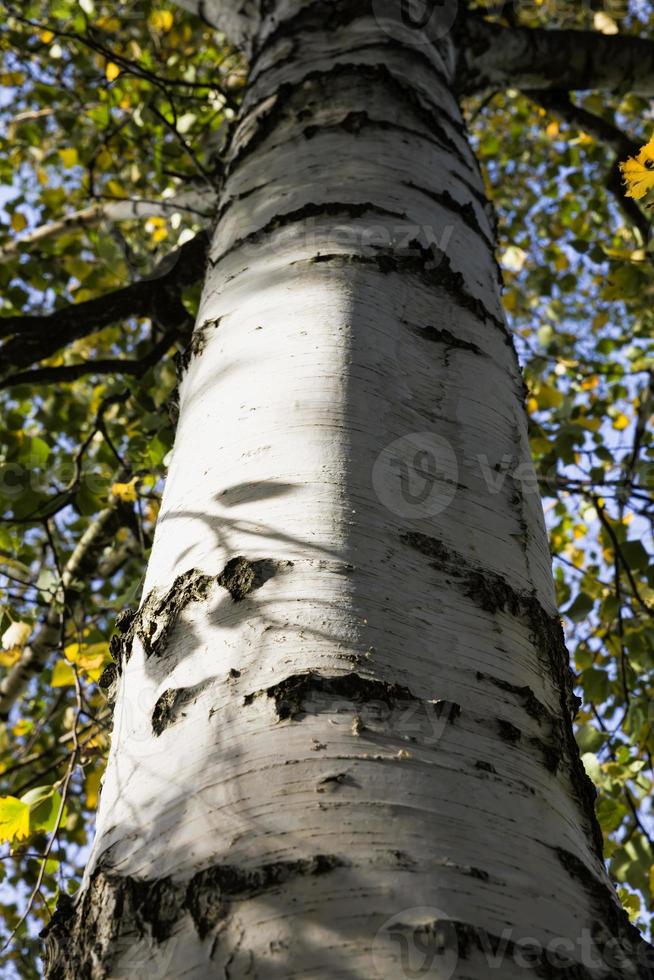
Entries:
{"x":343,"y":726}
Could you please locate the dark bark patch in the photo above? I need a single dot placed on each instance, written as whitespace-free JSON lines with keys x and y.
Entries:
{"x":159,"y":614}
{"x":196,"y":345}
{"x":85,"y":936}
{"x":210,"y":892}
{"x":290,"y":694}
{"x":163,"y":709}
{"x":551,"y":751}
{"x":120,"y":643}
{"x":108,"y":682}
{"x":483,"y":766}
{"x":455,"y":939}
{"x":333,"y":781}
{"x":240,"y":576}
{"x":448,"y":340}
{"x":508,"y":731}
{"x":170,"y":705}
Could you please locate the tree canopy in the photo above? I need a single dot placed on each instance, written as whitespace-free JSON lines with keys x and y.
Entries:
{"x":112,"y":121}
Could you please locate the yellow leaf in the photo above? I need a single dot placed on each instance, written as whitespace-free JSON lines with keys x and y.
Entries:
{"x":638,"y":172}
{"x":553,"y":130}
{"x":532,"y":405}
{"x":62,"y":675}
{"x":104,"y":159}
{"x":18,"y":221}
{"x":22,"y":727}
{"x":511,"y":301}
{"x":621,"y":422}
{"x":589,"y":383}
{"x":108,"y":24}
{"x":91,"y":658}
{"x":9,"y":657}
{"x":14,"y":819}
{"x":112,"y":71}
{"x":161,"y":20}
{"x":46,"y":36}
{"x":115,"y":188}
{"x":125,"y":491}
{"x":69,"y":156}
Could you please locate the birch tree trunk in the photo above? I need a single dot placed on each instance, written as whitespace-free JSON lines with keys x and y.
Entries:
{"x":343,"y":732}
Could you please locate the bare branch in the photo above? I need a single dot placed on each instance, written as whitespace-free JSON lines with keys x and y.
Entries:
{"x":197,"y":202}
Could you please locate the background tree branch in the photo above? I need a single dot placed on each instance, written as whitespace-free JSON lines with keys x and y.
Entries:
{"x":495,"y":57}
{"x":34,"y":338}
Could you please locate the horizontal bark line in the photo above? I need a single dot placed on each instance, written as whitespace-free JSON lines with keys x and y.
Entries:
{"x":427,"y":260}
{"x":493,"y":594}
{"x":282,"y":99}
{"x":328,"y":16}
{"x":464,"y":211}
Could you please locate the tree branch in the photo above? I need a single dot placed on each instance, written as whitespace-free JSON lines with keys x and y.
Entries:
{"x":610,"y":135}
{"x":199,"y":202}
{"x":81,"y":564}
{"x":68,"y":373}
{"x":493,"y":56}
{"x":34,"y":338}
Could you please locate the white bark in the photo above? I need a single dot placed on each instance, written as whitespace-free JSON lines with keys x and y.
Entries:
{"x":349,"y":719}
